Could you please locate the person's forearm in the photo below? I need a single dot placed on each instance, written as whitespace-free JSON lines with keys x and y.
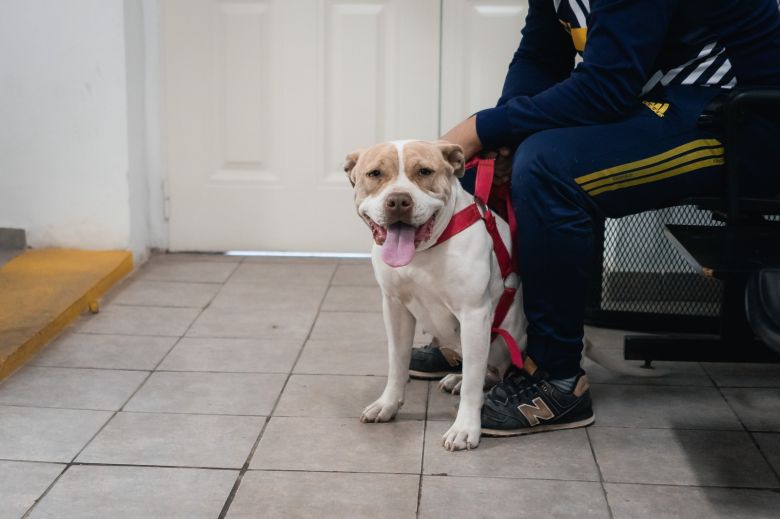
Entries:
{"x":465,"y":135}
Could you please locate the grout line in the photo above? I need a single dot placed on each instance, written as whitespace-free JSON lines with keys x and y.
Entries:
{"x":601,"y":474}
{"x":730,"y":487}
{"x":422,"y":455}
{"x":552,"y":480}
{"x":81,"y":332}
{"x":234,"y":490}
{"x":166,"y":370}
{"x":147,"y":305}
{"x":89,"y":368}
{"x":148,"y":465}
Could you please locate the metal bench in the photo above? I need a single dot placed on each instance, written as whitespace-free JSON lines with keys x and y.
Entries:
{"x":744,"y":254}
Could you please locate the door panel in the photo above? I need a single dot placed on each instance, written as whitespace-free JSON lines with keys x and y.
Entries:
{"x":263,"y":99}
{"x":478,"y":41}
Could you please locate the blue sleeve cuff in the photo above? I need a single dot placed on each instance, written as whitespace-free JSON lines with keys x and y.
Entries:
{"x":493,"y":127}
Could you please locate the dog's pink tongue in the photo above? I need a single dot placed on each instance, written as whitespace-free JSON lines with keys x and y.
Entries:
{"x":398,"y":249}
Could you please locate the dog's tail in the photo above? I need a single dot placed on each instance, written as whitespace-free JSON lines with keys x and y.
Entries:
{"x":617,"y":366}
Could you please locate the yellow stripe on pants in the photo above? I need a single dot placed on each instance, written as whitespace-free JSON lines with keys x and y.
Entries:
{"x":649,"y":161}
{"x":659,"y":168}
{"x":661,"y":176}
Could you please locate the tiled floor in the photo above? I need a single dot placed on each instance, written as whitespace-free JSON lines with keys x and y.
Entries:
{"x":218,"y":387}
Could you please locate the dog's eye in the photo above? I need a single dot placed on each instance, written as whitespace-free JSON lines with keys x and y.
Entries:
{"x":425,"y":172}
{"x":374,"y":173}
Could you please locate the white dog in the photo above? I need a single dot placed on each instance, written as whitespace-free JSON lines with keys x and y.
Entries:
{"x":407,"y":192}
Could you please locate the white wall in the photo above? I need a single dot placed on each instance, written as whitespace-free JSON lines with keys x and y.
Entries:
{"x":73,"y":127}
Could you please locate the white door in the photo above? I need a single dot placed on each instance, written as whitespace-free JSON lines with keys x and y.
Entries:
{"x":478,"y":41}
{"x":263,"y":99}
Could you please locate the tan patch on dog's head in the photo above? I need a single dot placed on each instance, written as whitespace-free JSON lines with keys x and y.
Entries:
{"x":431,"y":166}
{"x":372,"y":169}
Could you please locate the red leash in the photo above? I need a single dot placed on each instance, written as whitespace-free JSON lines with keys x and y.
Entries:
{"x":472,"y":214}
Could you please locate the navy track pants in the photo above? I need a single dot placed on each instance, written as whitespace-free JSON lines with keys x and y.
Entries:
{"x":565,"y":179}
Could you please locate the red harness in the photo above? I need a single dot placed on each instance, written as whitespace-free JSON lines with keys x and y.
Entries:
{"x":477,"y":211}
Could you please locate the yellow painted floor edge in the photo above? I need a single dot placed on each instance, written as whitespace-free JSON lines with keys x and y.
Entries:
{"x":34,"y":344}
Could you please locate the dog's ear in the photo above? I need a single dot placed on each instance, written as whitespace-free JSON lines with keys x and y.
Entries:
{"x":349,"y":165}
{"x":453,"y":154}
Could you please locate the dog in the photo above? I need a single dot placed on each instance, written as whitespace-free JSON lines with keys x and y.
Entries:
{"x":406,"y":192}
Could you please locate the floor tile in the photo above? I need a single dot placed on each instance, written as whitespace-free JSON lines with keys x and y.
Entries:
{"x":680,"y":457}
{"x":352,"y":299}
{"x":355,"y":274}
{"x":344,"y":396}
{"x":769,"y":443}
{"x":174,"y":439}
{"x":669,"y":502}
{"x":669,"y":373}
{"x":744,"y":375}
{"x":243,"y":296}
{"x":192,"y":271}
{"x":354,"y":326}
{"x":341,"y":357}
{"x":234,"y":355}
{"x":93,"y":492}
{"x":340,"y":444}
{"x":139,"y":320}
{"x":22,"y":483}
{"x":38,"y":434}
{"x":349,"y":326}
{"x":759,"y":409}
{"x":302,"y":261}
{"x":253,"y":323}
{"x":285,"y":274}
{"x":321,"y":494}
{"x":441,"y":404}
{"x":162,"y":293}
{"x":658,"y":406}
{"x":201,"y":257}
{"x":70,"y":387}
{"x":468,"y":498}
{"x":84,"y":350}
{"x":208,"y":393}
{"x":519,"y":457}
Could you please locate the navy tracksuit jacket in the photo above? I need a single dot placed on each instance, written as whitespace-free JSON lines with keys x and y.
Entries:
{"x":617,"y":133}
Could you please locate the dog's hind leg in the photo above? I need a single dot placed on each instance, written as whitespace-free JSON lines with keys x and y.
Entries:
{"x":399,"y":323}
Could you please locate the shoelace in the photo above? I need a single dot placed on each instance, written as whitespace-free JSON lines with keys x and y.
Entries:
{"x":515,"y":381}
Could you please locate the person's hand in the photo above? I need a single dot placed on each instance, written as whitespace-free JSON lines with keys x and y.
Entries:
{"x":465,"y":134}
{"x":502,"y":171}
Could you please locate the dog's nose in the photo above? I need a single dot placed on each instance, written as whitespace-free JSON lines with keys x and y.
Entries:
{"x":399,"y":206}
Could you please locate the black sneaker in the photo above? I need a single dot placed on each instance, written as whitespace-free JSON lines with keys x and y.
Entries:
{"x":434,"y":362}
{"x":525,"y":402}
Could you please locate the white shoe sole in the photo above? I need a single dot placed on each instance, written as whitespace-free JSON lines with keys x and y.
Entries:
{"x":498,"y":433}
{"x":430,"y":375}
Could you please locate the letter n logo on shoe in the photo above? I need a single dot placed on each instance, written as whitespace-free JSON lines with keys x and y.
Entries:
{"x":534,"y":412}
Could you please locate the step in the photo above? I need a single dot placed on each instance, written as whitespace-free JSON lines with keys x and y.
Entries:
{"x":12,"y":243}
{"x":13,"y":239}
{"x":42,"y":291}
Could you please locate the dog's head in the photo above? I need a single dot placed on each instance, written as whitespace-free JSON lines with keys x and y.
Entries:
{"x":400,"y":187}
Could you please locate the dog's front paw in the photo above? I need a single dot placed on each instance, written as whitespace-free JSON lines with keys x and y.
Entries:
{"x":451,"y":383}
{"x":380,"y":411}
{"x":460,"y":437}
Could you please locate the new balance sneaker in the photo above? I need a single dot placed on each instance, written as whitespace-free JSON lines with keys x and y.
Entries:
{"x":526,"y":402}
{"x":434,"y":362}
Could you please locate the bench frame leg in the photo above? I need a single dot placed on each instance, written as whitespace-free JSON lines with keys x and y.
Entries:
{"x":736,"y":342}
